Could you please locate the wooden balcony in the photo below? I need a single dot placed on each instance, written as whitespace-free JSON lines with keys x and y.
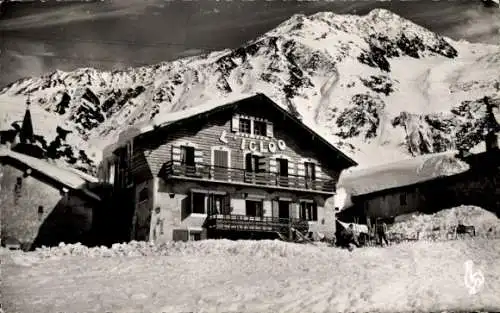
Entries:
{"x":239,"y":176}
{"x":255,"y":224}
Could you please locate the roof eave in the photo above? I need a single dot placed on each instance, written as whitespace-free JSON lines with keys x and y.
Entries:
{"x":348,"y":160}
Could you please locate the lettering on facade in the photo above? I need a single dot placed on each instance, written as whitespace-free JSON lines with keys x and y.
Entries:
{"x":222,"y":137}
{"x":261,"y":146}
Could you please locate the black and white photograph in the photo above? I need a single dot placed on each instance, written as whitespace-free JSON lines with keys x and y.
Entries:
{"x":234,"y":156}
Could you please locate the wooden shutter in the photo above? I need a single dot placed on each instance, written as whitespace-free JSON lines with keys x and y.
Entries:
{"x":301,"y":169}
{"x":269,"y":130}
{"x":294,"y":210}
{"x":263,"y":164}
{"x":319,"y":173}
{"x":176,"y":154}
{"x":275,"y":208}
{"x":314,"y":211}
{"x":272,"y":165}
{"x":221,"y":158}
{"x":235,"y":124}
{"x":291,"y":168}
{"x":198,"y":156}
{"x":227,"y":204}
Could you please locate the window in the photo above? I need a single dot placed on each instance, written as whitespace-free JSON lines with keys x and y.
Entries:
{"x":254,"y":208}
{"x":310,"y":170}
{"x":253,"y":163}
{"x":40,"y":212}
{"x":194,"y":236}
{"x":187,"y":156}
{"x":402,"y":199}
{"x":245,"y":126}
{"x":143,"y":194}
{"x":198,"y":203}
{"x":260,"y":128}
{"x":282,"y":167}
{"x":217,"y":205}
{"x":308,"y":211}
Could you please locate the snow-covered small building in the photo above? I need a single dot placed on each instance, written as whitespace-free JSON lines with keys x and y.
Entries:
{"x":397,"y":188}
{"x":427,"y":183}
{"x":43,"y":203}
{"x":245,"y":168}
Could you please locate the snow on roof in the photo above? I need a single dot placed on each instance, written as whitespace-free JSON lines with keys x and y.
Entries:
{"x":87,"y":177}
{"x":67,"y":177}
{"x":401,"y":173}
{"x":171,"y":117}
{"x":162,"y":120}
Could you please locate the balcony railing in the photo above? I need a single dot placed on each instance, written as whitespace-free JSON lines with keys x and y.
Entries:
{"x":257,"y":224}
{"x":210,"y":172}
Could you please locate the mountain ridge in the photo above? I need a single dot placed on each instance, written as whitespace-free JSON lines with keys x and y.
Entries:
{"x":377,"y":84}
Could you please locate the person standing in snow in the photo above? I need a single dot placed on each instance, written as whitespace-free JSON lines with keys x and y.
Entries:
{"x":350,"y":236}
{"x":382,"y":232}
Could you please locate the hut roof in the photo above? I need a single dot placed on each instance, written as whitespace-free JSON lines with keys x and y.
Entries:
{"x":164,"y":120}
{"x":69,"y":178}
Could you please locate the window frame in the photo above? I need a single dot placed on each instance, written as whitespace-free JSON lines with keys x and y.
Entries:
{"x":241,"y":129}
{"x":308,"y":211}
{"x":193,"y":194}
{"x":257,"y":209}
{"x":264,"y":130}
{"x":307,"y":172}
{"x":184,"y":155}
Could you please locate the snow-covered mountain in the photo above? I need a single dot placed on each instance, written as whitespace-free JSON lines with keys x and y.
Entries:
{"x":382,"y":87}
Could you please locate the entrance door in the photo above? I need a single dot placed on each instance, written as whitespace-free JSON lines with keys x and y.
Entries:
{"x":221,"y":164}
{"x":284,"y":209}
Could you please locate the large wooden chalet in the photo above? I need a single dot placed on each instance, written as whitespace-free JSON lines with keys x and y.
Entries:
{"x":244,"y":169}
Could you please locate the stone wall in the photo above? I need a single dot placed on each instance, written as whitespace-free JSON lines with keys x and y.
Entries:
{"x":33,"y":212}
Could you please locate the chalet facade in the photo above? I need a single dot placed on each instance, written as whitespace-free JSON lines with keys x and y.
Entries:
{"x":244,"y":169}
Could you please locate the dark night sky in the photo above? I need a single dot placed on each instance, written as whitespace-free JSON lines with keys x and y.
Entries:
{"x":38,"y":37}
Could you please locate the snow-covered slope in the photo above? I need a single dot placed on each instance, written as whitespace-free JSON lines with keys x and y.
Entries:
{"x":381,"y":86}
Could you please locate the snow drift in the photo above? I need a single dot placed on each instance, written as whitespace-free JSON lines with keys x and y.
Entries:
{"x":245,"y":276}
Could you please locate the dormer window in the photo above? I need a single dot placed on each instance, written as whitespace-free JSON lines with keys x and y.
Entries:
{"x":245,"y":126}
{"x":250,"y":126}
{"x":259,"y":128}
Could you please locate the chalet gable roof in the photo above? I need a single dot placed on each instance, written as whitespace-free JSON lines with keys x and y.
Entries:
{"x":385,"y":177}
{"x":65,"y":177}
{"x":169,"y":119}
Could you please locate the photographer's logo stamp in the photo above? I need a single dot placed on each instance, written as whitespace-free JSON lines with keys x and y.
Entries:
{"x":474,"y":280}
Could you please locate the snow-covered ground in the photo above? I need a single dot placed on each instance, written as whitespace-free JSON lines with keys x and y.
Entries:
{"x":252,"y":276}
